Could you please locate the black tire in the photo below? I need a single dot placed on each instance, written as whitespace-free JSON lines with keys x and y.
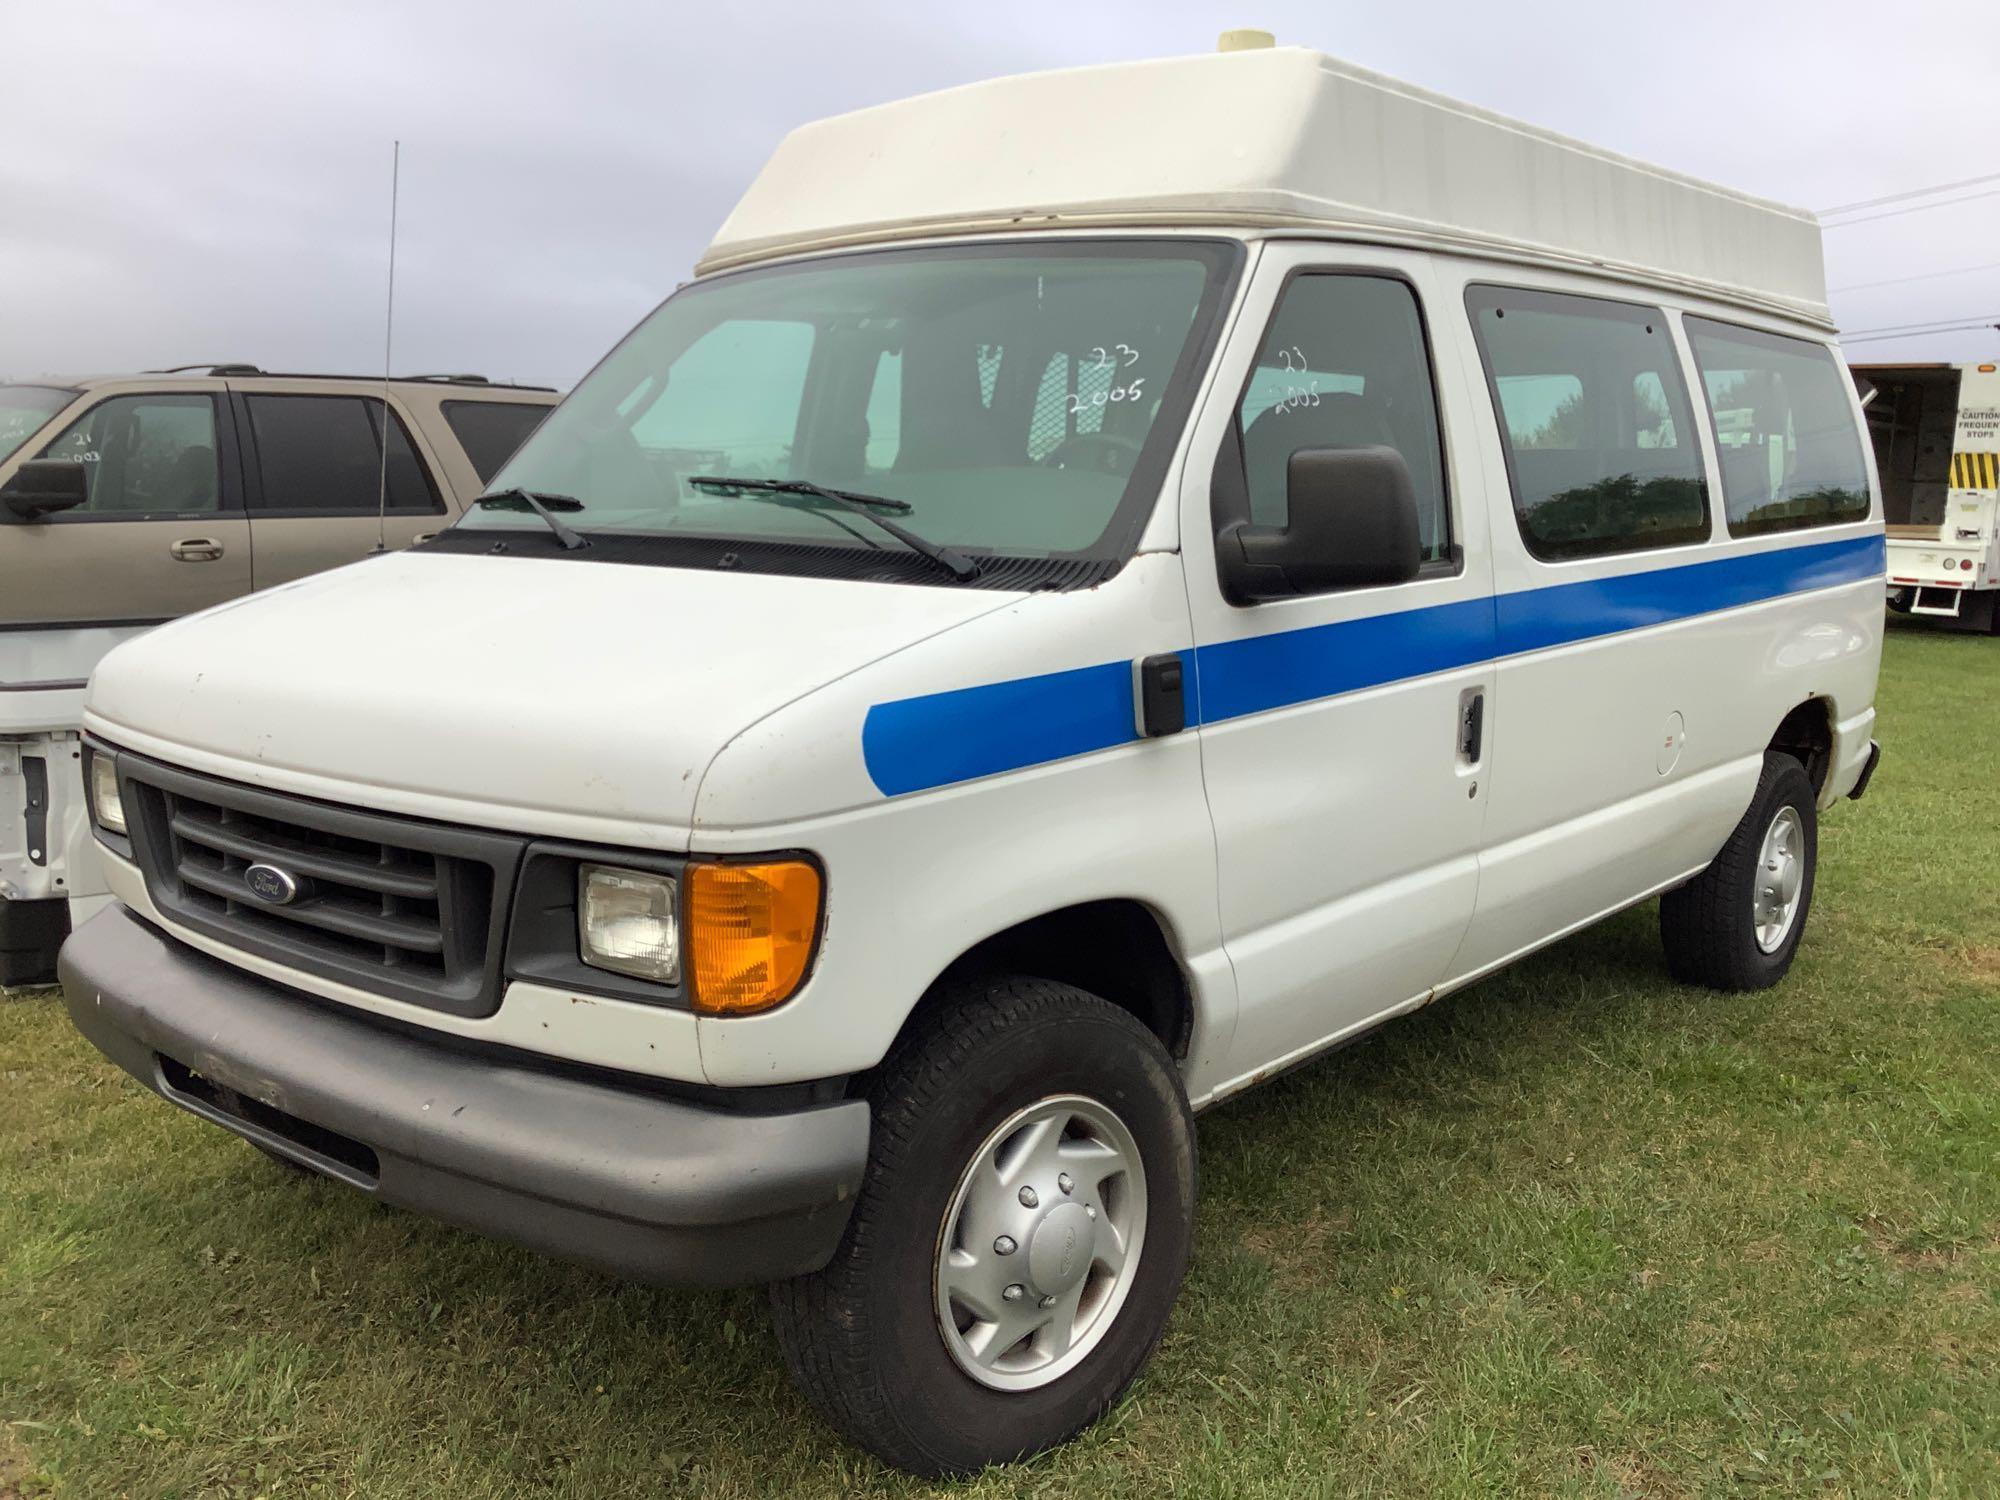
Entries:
{"x":862,"y":1336}
{"x":1708,"y":925}
{"x":31,"y":932}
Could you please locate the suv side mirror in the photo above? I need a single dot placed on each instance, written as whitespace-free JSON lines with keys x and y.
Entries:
{"x":42,"y":486}
{"x":1350,"y":522}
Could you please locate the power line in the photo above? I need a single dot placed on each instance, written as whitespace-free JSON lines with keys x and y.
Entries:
{"x":1942,"y":187}
{"x":1876,"y":338}
{"x":1958,"y":328}
{"x":1895,"y":328}
{"x":1914,"y":208}
{"x":1862,"y":286}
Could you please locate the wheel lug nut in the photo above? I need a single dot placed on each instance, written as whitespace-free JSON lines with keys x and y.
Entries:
{"x":1004,"y":1245}
{"x":1013,"y":1293}
{"x":1048,"y":1302}
{"x":1090,"y":1210}
{"x":1028,"y":1198}
{"x":1064,"y":1182}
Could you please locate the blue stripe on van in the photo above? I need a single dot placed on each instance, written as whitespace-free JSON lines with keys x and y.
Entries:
{"x":914,"y":744}
{"x":1536,"y":619}
{"x":1262,"y":672}
{"x":940,"y":738}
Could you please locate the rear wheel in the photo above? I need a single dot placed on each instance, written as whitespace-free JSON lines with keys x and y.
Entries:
{"x":1737,"y":925}
{"x":1019,"y":1238}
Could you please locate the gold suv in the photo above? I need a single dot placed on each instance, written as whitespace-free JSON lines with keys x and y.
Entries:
{"x":128,"y":500}
{"x":204,"y":483}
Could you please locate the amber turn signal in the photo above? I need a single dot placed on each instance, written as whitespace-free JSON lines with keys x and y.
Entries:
{"x":751,"y":930}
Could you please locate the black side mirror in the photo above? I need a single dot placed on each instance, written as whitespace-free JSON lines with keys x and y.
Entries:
{"x":42,"y":486}
{"x":1350,"y":522}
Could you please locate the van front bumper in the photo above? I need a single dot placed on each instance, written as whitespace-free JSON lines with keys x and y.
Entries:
{"x":581,"y":1165}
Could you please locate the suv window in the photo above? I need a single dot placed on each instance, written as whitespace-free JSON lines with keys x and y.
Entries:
{"x":1785,"y":436}
{"x":323,"y":455}
{"x":23,"y":410}
{"x":490,"y":431}
{"x":145,"y":454}
{"x":1344,"y":364}
{"x":1596,"y":420}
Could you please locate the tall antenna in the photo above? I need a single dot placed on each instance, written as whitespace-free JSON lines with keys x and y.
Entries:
{"x":388,"y":347}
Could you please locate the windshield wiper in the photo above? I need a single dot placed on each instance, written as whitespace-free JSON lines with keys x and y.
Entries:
{"x":868,"y":507}
{"x":543,"y":506}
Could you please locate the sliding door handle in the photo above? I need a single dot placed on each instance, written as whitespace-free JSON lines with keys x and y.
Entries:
{"x":1472,"y":727}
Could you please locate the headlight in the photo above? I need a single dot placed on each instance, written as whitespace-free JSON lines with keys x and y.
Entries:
{"x":104,"y":798}
{"x":628,"y":921}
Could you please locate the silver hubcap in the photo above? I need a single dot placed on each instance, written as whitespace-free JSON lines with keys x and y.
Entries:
{"x":1041,"y":1242}
{"x":1781,"y":873}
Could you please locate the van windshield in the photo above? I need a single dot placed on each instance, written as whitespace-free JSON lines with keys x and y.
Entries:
{"x":1022,"y":400}
{"x":23,"y":410}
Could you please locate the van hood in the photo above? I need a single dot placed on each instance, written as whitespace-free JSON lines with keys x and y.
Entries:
{"x":576,"y":698}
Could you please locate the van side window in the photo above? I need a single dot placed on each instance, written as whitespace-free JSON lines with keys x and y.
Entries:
{"x":1655,"y":422}
{"x":1344,"y":363}
{"x":322,"y":455}
{"x":144,"y":454}
{"x":1596,"y":419}
{"x":1785,"y":436}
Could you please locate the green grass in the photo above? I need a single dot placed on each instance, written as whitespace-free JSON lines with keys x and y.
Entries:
{"x":1575,"y":1232}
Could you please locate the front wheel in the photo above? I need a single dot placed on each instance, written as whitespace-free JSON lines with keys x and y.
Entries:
{"x":1737,"y":925}
{"x":1019,"y":1238}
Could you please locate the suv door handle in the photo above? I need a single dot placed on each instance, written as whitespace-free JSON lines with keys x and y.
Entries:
{"x":196,"y":549}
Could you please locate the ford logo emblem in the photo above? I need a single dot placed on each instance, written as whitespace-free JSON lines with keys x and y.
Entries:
{"x":269,"y":883}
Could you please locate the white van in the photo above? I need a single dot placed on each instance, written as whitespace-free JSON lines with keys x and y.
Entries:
{"x":1107,"y":585}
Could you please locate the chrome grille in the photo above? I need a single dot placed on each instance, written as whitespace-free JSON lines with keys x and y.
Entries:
{"x":405,"y":908}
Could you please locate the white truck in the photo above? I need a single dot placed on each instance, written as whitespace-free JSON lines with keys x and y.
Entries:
{"x":1106,"y":585}
{"x":1936,"y":431}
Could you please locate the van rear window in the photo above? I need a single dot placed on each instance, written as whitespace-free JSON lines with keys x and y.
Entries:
{"x":1785,"y":434}
{"x":1600,"y":449}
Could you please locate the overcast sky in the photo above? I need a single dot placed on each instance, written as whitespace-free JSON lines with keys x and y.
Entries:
{"x":210,"y":180}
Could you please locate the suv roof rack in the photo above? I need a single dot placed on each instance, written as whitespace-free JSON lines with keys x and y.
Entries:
{"x":205,"y":368}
